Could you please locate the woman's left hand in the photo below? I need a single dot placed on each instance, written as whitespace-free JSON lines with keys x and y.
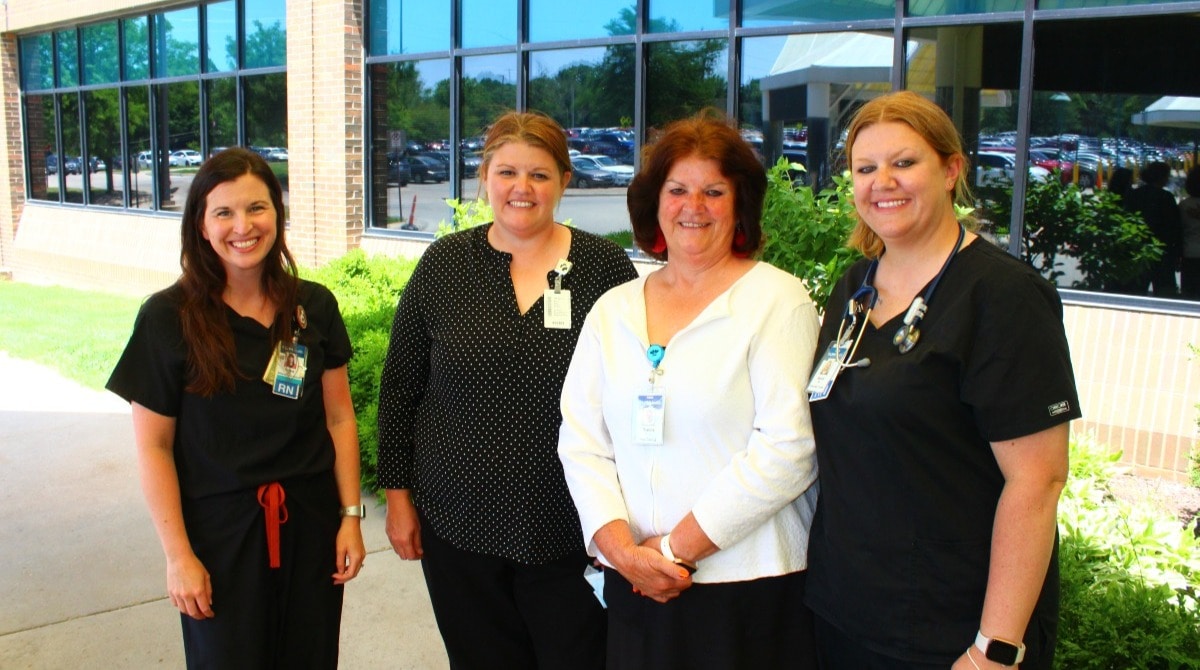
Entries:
{"x":351,"y":552}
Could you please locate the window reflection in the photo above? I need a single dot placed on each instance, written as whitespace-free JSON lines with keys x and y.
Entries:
{"x":266,"y":33}
{"x":552,"y":20}
{"x":222,"y":113}
{"x":68,"y":164}
{"x":411,"y":153}
{"x":408,"y":26}
{"x":266,"y":127}
{"x":488,"y":23}
{"x":99,"y":166}
{"x":103,"y":60}
{"x":758,"y":13}
{"x":177,"y":43}
{"x":68,"y":58}
{"x":943,"y":8}
{"x":684,"y":77}
{"x":220,"y":53}
{"x":37,"y":63}
{"x":138,"y":165}
{"x":585,"y":90}
{"x":137,"y":48}
{"x":179,"y":104}
{"x":42,"y":141}
{"x":671,"y":16}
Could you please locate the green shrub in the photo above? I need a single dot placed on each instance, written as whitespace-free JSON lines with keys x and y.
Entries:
{"x":1129,"y":576}
{"x":367,"y":290}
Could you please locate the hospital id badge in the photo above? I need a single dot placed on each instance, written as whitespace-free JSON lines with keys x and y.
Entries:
{"x":648,"y":414}
{"x":556,"y":309}
{"x":826,"y":372}
{"x":291,"y":362}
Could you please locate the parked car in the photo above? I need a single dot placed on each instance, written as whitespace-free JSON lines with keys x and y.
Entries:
{"x":470,"y":164}
{"x":994,"y":168}
{"x":71,"y":165}
{"x":276,"y":154}
{"x":622,"y":174}
{"x":423,"y":168}
{"x":397,"y":170}
{"x":185,"y":157}
{"x":587,"y":175}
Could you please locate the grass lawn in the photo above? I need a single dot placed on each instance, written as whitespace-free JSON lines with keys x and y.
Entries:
{"x":78,"y":333}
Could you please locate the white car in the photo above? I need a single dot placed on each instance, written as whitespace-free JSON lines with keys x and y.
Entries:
{"x":995,"y":168}
{"x":185,"y":157}
{"x":622,"y":174}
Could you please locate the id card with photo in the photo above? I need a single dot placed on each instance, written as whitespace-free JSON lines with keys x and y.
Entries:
{"x":648,"y":416}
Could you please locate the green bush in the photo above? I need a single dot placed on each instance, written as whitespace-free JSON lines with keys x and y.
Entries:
{"x":367,"y":290}
{"x":1129,"y":576}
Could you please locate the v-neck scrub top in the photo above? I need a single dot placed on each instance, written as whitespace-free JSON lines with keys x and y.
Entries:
{"x":901,"y":541}
{"x":468,"y":405}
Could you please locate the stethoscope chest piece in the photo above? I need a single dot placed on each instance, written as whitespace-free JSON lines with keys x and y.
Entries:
{"x":906,"y":337}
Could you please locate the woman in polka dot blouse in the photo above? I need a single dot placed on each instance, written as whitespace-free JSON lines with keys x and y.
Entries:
{"x":469,"y":416}
{"x":686,"y":439}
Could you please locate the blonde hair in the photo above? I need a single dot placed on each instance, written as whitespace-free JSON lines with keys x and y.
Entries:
{"x":931,"y":123}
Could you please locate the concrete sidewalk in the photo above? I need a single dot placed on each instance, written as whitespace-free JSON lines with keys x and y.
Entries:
{"x":83,"y":579}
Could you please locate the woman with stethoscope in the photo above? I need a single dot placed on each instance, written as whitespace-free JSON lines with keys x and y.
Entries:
{"x":940,"y":399}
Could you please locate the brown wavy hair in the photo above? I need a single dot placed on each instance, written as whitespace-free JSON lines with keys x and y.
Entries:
{"x":931,"y":123}
{"x":211,"y":354}
{"x":707,"y":135}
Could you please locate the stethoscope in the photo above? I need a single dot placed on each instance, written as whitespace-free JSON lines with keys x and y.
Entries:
{"x":909,"y":332}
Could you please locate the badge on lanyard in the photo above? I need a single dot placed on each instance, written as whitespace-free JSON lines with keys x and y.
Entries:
{"x":649,"y":408}
{"x":826,"y":372}
{"x":556,"y":303}
{"x":285,"y":371}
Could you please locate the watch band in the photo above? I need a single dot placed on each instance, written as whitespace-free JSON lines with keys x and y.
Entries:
{"x":359,"y":511}
{"x":664,"y":546}
{"x":998,"y":650}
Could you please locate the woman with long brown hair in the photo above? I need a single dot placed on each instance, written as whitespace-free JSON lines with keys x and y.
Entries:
{"x":246,"y":437}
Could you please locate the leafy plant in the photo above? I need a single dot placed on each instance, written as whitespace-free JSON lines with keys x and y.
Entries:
{"x":805,"y":232}
{"x":1110,"y":246}
{"x":467,"y":214}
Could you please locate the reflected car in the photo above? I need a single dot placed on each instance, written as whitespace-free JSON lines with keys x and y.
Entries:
{"x":276,"y":154}
{"x":993,"y":168}
{"x":587,"y":175}
{"x":423,"y":168}
{"x":185,"y":157}
{"x":71,"y":165}
{"x":622,"y":174}
{"x":397,"y":170}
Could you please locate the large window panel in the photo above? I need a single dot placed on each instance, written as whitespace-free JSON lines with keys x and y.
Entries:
{"x":103,"y":62}
{"x":69,"y":162}
{"x":177,"y":43}
{"x":410,"y":135}
{"x":672,"y":16}
{"x":179,"y":105}
{"x":220,"y":51}
{"x":37,"y":62}
{"x":221,"y":96}
{"x":943,"y":8}
{"x":266,"y":119}
{"x":138,"y":166}
{"x":41,"y":137}
{"x":760,"y":13}
{"x":408,"y":26}
{"x":266,"y":33}
{"x":683,"y":78}
{"x":553,"y":20}
{"x":137,"y":48}
{"x":102,"y":124}
{"x":68,"y":57}
{"x":488,"y":23}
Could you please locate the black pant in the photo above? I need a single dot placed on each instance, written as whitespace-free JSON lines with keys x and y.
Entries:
{"x":495,"y":613}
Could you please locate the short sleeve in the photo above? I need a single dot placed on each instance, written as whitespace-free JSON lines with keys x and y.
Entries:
{"x":152,"y":369}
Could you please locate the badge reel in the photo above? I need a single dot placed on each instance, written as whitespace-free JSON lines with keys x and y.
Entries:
{"x":556,"y":303}
{"x":843,"y":346}
{"x":289,"y":362}
{"x":649,"y":407}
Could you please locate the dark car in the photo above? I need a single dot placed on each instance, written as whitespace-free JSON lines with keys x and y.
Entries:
{"x":423,"y":168}
{"x":397,"y":170}
{"x":584,"y":175}
{"x":71,"y":165}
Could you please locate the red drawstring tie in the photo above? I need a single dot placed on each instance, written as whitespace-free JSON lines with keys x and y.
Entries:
{"x":271,"y":496}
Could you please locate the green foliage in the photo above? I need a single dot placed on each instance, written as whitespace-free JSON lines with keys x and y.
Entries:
{"x":805,"y":233}
{"x":467,"y":214}
{"x":1110,"y":246}
{"x":1129,"y":576}
{"x":367,"y":290}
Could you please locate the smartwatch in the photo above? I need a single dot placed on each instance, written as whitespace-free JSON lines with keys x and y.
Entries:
{"x":1000,"y":651}
{"x":359,"y":511}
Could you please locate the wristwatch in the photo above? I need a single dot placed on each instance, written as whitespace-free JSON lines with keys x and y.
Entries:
{"x":359,"y":511}
{"x":1000,"y":651}
{"x":664,"y":547}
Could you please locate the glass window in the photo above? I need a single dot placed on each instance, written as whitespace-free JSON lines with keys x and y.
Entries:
{"x":552,"y":20}
{"x":759,"y":13}
{"x":45,"y":168}
{"x":489,"y":88}
{"x":68,"y":58}
{"x":943,"y":8}
{"x":266,"y":119}
{"x":488,"y":23}
{"x":37,"y":63}
{"x":102,"y":123}
{"x":221,"y":95}
{"x":70,"y":165}
{"x":139,"y":174}
{"x":408,"y":26}
{"x":179,"y":106}
{"x":137,"y":48}
{"x":1083,"y":4}
{"x":411,"y":117}
{"x":102,"y":65}
{"x":684,"y":77}
{"x":220,"y":54}
{"x":177,"y":43}
{"x":672,"y":16}
{"x":266,"y":33}
{"x":588,"y":93}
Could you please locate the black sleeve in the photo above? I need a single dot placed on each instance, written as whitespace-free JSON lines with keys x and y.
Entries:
{"x":152,"y":369}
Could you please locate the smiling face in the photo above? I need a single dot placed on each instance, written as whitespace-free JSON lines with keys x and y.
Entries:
{"x":902,"y":187}
{"x":240,"y":223}
{"x":523,"y":186}
{"x":696,"y":209}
